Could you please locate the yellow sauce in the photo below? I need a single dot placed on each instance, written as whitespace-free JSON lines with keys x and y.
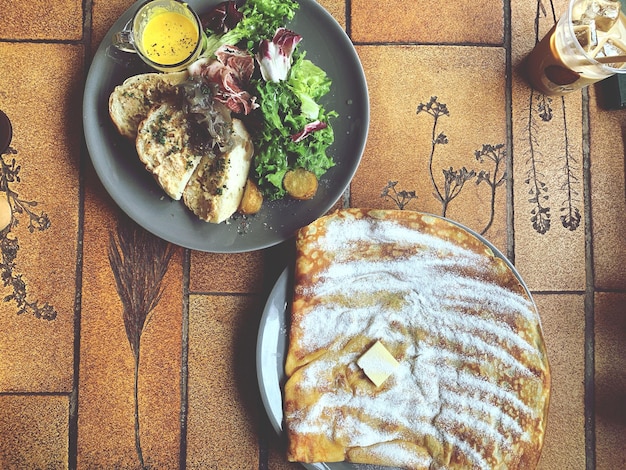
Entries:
{"x":169,"y":38}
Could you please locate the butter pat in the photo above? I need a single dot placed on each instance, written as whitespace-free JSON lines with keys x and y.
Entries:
{"x":377,"y":363}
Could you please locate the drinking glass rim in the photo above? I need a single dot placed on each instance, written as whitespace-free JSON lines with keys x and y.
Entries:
{"x":568,"y":18}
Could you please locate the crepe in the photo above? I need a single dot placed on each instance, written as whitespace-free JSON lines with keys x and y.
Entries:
{"x":472,"y":384}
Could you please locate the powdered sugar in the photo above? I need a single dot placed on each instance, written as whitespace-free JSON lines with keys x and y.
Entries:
{"x":398,"y":452}
{"x":461,"y":326}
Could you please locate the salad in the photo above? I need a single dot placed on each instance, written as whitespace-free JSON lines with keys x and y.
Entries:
{"x":280,"y":99}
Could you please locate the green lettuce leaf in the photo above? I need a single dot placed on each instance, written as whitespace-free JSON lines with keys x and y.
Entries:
{"x":261,"y":19}
{"x":276,"y":152}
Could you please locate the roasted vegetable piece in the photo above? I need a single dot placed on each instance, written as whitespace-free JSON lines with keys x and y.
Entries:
{"x":300,"y":183}
{"x":252,"y":199}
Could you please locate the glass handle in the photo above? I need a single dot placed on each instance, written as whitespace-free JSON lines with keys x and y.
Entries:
{"x":124,"y":40}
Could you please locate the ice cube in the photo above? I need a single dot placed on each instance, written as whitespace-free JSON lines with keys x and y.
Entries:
{"x":604,"y":12}
{"x":586,"y":35}
{"x":612,"y":47}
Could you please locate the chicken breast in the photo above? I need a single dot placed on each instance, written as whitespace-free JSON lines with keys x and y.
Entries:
{"x":216,"y":187}
{"x":130,"y":102}
{"x":166,"y":147}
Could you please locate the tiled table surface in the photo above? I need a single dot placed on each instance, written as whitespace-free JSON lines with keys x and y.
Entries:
{"x":543,"y":180}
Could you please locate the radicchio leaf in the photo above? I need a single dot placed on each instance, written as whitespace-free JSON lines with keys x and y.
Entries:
{"x":224,"y":17}
{"x":308,"y":129}
{"x":274,"y":57}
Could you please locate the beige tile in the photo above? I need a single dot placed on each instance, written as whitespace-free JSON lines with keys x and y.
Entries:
{"x":34,"y":431}
{"x":106,"y":388}
{"x":428,"y":21}
{"x":216,"y":272}
{"x":608,"y":204}
{"x":223,"y":399}
{"x":610,"y":380}
{"x":41,"y":19}
{"x":563,"y":323}
{"x":399,"y":146}
{"x":43,"y":103}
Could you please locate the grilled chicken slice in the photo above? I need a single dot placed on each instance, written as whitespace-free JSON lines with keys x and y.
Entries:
{"x":130,"y":102}
{"x":216,"y":187}
{"x":166,"y":147}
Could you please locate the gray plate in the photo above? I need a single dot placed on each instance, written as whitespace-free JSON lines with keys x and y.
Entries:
{"x":137,"y":194}
{"x":272,"y":343}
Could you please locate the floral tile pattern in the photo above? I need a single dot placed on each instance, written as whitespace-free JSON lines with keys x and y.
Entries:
{"x":127,"y":411}
{"x":118,"y":350}
{"x":427,"y":127}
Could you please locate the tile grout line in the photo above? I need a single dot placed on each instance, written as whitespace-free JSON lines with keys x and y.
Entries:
{"x":589,"y":379}
{"x":485,"y":45}
{"x":508,"y":109}
{"x":348,"y":15}
{"x":72,"y":450}
{"x":184,"y":366}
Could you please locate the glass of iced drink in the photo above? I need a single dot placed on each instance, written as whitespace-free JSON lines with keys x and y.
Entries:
{"x":587,"y":44}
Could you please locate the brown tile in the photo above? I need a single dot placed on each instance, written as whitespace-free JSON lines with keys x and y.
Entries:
{"x":337,"y":9}
{"x":103,"y":15}
{"x":37,"y":354}
{"x":41,"y":100}
{"x":544,"y":247}
{"x":610,"y":380}
{"x":217,"y":272}
{"x":608,"y":204}
{"x":34,"y":431}
{"x":223,"y":411}
{"x":563,"y":324}
{"x":41,"y":19}
{"x":106,"y":388}
{"x":278,"y":460}
{"x":548,"y":189}
{"x":400,"y":139}
{"x":428,"y":21}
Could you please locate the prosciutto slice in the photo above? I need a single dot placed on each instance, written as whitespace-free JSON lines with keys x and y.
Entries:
{"x":230,"y":74}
